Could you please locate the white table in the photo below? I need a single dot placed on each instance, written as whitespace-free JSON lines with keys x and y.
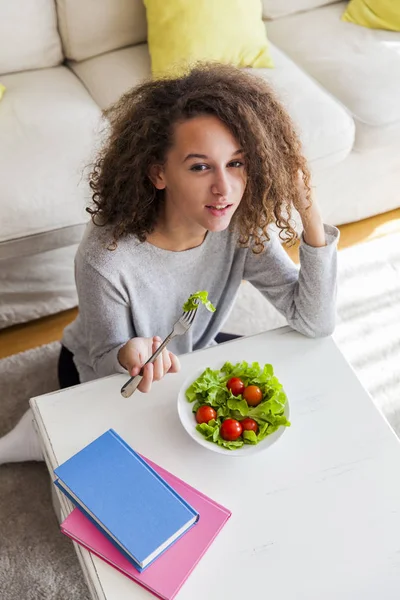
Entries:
{"x":316,"y":516}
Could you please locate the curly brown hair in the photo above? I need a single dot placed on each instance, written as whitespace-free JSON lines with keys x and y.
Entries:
{"x":142,"y":131}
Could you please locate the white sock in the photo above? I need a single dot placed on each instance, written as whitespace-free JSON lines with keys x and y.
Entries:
{"x":21,"y":443}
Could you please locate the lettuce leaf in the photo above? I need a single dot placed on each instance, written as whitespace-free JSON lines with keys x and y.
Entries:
{"x":250,"y":437}
{"x":230,"y":445}
{"x":208,"y":429}
{"x":238,"y":404}
{"x":202,"y":296}
{"x":203,"y":386}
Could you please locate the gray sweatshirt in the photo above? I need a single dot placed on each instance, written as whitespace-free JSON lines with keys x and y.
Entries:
{"x":138,"y":290}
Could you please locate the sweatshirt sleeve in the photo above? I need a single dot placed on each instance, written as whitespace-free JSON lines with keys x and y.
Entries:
{"x":306,"y":296}
{"x":106,"y":316}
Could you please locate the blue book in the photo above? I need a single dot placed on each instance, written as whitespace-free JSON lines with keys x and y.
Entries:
{"x":125,"y":498}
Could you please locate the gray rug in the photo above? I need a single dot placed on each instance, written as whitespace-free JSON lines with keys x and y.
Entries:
{"x":36,"y":561}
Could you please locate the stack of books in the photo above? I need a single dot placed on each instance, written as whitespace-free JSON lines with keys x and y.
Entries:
{"x":138,"y":517}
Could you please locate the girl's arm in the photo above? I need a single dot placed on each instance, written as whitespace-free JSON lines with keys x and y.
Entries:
{"x":108,"y":330}
{"x":105,"y":316}
{"x":305,"y":296}
{"x":313,"y":226}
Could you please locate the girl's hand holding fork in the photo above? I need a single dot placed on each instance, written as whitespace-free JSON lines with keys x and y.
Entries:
{"x":133,"y":355}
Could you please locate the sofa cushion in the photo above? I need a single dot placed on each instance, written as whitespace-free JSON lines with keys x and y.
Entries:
{"x":326,"y":128}
{"x":358,"y":66}
{"x":48,"y":123}
{"x":90,"y":27}
{"x":28,"y":35}
{"x":377,"y":14}
{"x":176,"y":34}
{"x":273,"y":9}
{"x":110,"y":75}
{"x":35,"y":286}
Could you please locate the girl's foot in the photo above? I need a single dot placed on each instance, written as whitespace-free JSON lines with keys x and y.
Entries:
{"x":21,"y":443}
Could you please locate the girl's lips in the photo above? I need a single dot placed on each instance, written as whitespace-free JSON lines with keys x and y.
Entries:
{"x":219,"y":212}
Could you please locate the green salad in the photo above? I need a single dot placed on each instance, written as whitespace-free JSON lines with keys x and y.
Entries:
{"x":238,"y":404}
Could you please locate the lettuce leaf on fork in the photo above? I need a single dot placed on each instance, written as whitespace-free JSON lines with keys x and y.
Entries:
{"x":201,"y":296}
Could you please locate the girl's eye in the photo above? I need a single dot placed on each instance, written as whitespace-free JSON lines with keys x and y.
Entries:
{"x":198,"y":167}
{"x":236,"y":164}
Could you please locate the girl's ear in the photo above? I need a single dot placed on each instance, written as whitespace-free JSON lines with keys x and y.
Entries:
{"x":157,"y":177}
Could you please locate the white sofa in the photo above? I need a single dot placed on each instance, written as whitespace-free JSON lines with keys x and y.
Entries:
{"x":62,"y":61}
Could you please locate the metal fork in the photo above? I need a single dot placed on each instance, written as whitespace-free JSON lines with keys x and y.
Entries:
{"x":182,"y":325}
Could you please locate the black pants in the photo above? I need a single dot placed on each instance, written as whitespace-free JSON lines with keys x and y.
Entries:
{"x":68,"y":374}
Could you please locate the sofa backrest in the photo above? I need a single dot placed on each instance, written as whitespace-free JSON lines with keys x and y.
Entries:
{"x":92,"y":27}
{"x":28,"y":35}
{"x":273,"y":9}
{"x":30,"y":30}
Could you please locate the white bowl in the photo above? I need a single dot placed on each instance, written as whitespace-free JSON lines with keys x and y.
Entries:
{"x":187,"y":417}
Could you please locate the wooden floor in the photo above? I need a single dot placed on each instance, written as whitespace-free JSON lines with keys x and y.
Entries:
{"x":43,"y":331}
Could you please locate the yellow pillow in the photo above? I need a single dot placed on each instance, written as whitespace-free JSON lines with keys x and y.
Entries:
{"x":375,"y":14}
{"x":183,"y":32}
{"x":2,"y":90}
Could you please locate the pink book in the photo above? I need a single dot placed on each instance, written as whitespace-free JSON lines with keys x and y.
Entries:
{"x":166,"y":575}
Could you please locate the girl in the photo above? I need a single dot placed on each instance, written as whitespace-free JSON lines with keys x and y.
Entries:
{"x":194,"y":172}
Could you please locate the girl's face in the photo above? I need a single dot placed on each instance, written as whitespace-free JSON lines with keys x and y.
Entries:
{"x":203,"y":177}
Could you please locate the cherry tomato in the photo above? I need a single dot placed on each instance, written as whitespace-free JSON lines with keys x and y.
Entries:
{"x":236,"y":386}
{"x":249,"y":424}
{"x":205,"y":413}
{"x":253,"y":395}
{"x":231,"y":430}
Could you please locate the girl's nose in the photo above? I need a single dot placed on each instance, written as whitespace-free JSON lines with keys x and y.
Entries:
{"x":220,"y":186}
